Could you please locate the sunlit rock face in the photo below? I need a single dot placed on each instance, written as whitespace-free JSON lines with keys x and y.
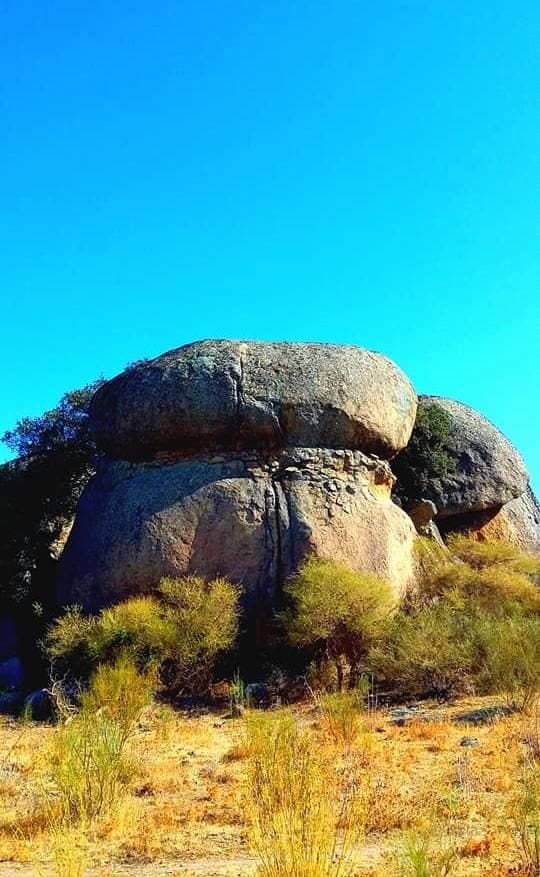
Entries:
{"x":238,"y":395}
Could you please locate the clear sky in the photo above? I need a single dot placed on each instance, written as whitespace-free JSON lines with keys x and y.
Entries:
{"x":361,"y":172}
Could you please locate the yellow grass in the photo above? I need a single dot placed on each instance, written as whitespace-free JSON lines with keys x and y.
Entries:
{"x":188,"y":807}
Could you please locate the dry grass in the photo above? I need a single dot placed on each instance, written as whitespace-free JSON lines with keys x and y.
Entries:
{"x":185,"y":806}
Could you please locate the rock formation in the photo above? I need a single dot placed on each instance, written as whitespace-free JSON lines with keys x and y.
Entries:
{"x":485,"y":489}
{"x":237,"y":459}
{"x":517,"y":522}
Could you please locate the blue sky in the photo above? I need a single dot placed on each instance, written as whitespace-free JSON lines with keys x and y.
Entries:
{"x":351,"y":172}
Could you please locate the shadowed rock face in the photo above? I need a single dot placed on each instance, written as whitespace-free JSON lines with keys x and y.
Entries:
{"x":234,"y":395}
{"x":489,"y":470}
{"x":238,"y":459}
{"x":517,"y":522}
{"x":249,"y":516}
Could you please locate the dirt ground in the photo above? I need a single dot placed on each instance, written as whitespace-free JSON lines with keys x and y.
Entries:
{"x":186,"y":810}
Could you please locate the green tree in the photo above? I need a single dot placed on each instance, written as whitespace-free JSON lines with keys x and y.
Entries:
{"x":427,"y":457}
{"x":39,"y":492}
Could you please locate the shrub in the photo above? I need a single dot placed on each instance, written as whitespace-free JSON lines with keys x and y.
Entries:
{"x":120,"y":693}
{"x":136,"y":627}
{"x":68,"y":852}
{"x":526,"y":820}
{"x":420,"y":856}
{"x":496,"y":590}
{"x":511,"y":648}
{"x":337,"y":611}
{"x":480,"y":554}
{"x":87,"y":765}
{"x":428,"y":652}
{"x":342,"y":713}
{"x":181,"y":629}
{"x":70,"y":643}
{"x":472,"y":624}
{"x":203,"y":623}
{"x":302,"y":825}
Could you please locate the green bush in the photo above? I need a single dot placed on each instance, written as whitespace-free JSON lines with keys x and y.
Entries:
{"x":472,"y":624}
{"x":337,"y":611}
{"x":181,"y":629}
{"x":496,"y":590}
{"x":428,"y":652}
{"x":343,"y":712}
{"x":511,"y":648}
{"x":39,"y":491}
{"x":121,"y":693}
{"x":482,"y":554}
{"x":428,"y":457}
{"x":202,"y":621}
{"x":526,"y":819}
{"x":305,"y":820}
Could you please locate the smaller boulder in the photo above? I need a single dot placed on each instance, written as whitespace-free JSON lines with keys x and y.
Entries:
{"x":517,"y":522}
{"x":484,"y":715}
{"x":469,"y":741}
{"x":470,"y":468}
{"x":422,"y":514}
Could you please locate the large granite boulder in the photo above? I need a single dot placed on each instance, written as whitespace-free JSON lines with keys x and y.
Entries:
{"x":486,"y":470}
{"x":249,"y":515}
{"x":235,"y":395}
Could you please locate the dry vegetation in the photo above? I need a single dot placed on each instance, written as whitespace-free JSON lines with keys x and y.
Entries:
{"x":334,"y":786}
{"x":203,"y":794}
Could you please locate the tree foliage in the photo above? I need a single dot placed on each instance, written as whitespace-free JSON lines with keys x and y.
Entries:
{"x":473,"y":624}
{"x":39,"y":492}
{"x":427,"y":457}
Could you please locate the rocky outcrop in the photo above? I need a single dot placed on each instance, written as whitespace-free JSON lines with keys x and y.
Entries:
{"x":240,"y":458}
{"x":488,"y":470}
{"x":235,"y":395}
{"x":237,"y":459}
{"x":247,"y":515}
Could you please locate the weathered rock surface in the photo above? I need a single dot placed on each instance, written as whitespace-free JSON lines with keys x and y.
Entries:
{"x":489,"y":471}
{"x":247,"y":515}
{"x":234,"y":395}
{"x":517,"y":522}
